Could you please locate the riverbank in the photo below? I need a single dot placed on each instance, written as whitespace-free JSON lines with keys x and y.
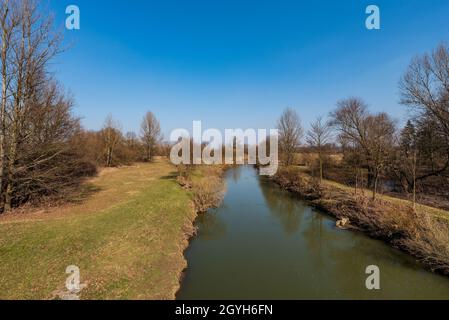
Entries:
{"x":205,"y":183}
{"x":207,"y":188}
{"x":128,"y":239}
{"x":423,"y":233}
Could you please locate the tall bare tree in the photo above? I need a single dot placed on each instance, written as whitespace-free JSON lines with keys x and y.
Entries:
{"x":369,"y":135}
{"x":150,"y":134}
{"x":34,"y":46}
{"x":112,"y":135}
{"x":9,"y":22}
{"x":36,"y":123}
{"x":408,"y":158}
{"x":290,"y":134}
{"x":318,"y":137}
{"x":425,"y":86}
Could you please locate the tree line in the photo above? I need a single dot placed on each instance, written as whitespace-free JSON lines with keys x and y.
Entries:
{"x":413,"y":158}
{"x":44,"y":151}
{"x":110,"y":146}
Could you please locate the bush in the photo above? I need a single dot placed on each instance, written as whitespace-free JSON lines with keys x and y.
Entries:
{"x":52,"y":180}
{"x":431,"y":243}
{"x":207,"y":192}
{"x":205,"y":182}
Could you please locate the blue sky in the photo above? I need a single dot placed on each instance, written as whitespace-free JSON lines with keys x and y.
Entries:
{"x":238,"y":64}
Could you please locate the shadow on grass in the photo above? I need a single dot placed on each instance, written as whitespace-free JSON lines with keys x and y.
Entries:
{"x":171,"y":176}
{"x":83,"y":193}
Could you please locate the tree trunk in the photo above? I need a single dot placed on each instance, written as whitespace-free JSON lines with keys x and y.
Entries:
{"x":414,"y":181}
{"x":109,"y":158}
{"x":3,"y":146}
{"x":321,"y":169}
{"x":15,"y":126}
{"x":9,"y":195}
{"x":375,"y":181}
{"x":149,"y":153}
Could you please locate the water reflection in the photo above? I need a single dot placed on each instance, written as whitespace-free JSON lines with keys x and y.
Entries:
{"x":211,"y":226}
{"x":313,"y":235}
{"x":236,"y":173}
{"x":264,"y":243}
{"x":289,"y":213}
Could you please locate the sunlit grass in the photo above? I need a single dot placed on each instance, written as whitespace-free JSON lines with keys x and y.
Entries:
{"x":441,"y":213}
{"x":127,"y":239}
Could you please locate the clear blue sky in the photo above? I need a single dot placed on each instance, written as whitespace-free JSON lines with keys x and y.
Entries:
{"x":238,"y":64}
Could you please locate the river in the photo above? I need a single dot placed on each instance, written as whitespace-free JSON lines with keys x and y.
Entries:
{"x":265,"y":243}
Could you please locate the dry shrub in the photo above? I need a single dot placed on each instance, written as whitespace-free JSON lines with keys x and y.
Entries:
{"x":184,"y":170}
{"x":184,"y":175}
{"x":316,"y":189}
{"x":59,"y":178}
{"x":290,"y":179}
{"x":205,"y":182}
{"x":431,"y":243}
{"x":207,"y":192}
{"x":380,"y":219}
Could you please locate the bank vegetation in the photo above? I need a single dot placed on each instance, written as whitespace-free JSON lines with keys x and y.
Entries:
{"x":365,"y":170}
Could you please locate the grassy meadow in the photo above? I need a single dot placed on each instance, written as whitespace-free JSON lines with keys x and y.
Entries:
{"x":127,"y":239}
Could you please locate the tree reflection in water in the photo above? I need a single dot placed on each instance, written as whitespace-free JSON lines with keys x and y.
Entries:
{"x":212,"y":226}
{"x":289,"y":213}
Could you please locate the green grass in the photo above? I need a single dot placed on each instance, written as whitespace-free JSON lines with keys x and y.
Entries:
{"x":127,"y":239}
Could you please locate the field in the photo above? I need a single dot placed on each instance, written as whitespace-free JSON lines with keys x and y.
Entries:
{"x":127,"y":239}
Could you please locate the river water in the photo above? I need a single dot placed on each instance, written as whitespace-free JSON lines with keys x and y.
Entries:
{"x":265,"y":243}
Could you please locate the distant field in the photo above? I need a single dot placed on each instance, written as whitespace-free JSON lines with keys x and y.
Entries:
{"x":127,"y":239}
{"x":305,"y":158}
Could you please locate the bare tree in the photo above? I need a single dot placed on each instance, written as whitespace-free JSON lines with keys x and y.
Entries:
{"x":33,"y":46}
{"x":290,"y":134}
{"x":47,"y":161}
{"x":370,"y":135}
{"x":408,"y":158}
{"x":111,"y":133}
{"x":131,"y":139}
{"x":318,"y":137}
{"x":425,"y":85}
{"x":150,"y":134}
{"x":422,"y":153}
{"x":28,"y":43}
{"x":425,"y":88}
{"x":9,"y":22}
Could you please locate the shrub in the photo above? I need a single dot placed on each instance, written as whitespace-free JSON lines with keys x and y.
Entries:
{"x":207,"y":192}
